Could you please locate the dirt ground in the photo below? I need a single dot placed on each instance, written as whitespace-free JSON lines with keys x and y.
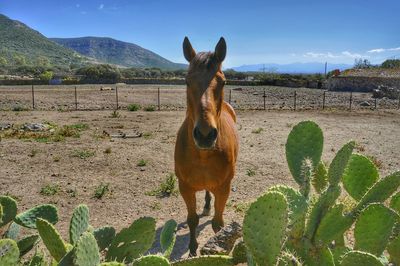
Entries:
{"x":28,"y":166}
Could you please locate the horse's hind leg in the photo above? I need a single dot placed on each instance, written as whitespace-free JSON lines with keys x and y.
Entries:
{"x":207,"y":205}
{"x":189,"y":196}
{"x":221,"y":196}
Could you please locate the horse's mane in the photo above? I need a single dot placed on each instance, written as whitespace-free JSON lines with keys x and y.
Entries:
{"x":203,"y":60}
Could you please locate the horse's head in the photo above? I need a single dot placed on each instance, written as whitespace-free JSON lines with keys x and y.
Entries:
{"x":205,"y":82}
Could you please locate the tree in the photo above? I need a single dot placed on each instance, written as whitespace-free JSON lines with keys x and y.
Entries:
{"x":360,"y":63}
{"x":46,"y":76}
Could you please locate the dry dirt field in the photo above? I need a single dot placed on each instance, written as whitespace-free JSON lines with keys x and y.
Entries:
{"x":27,"y":166}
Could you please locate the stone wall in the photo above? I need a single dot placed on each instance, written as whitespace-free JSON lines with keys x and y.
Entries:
{"x":360,"y":84}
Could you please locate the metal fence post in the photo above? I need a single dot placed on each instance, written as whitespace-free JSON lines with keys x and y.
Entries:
{"x":116,"y":96}
{"x":351,"y":99}
{"x":398,"y":104}
{"x":376,"y":103}
{"x":76,"y":100}
{"x":230,"y":95}
{"x":323,"y":101}
{"x":295,"y":97}
{"x":264,"y":96}
{"x":158,"y":99}
{"x":33,"y":97}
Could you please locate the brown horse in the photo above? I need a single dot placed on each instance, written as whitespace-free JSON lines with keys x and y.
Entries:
{"x":207,"y":145}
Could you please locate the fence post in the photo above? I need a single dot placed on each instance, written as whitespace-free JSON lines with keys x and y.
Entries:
{"x":264,"y":96}
{"x":398,"y":104}
{"x":76,"y":100}
{"x":158,"y":99}
{"x":351,"y":99}
{"x":230,"y":95}
{"x":323,"y":101}
{"x":116,"y":96}
{"x":295,"y":97}
{"x":376,"y":100}
{"x":33,"y":97}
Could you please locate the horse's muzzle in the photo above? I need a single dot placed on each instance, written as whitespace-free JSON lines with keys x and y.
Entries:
{"x":205,"y":141}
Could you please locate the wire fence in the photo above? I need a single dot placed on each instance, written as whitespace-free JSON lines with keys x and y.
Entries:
{"x":173,"y":97}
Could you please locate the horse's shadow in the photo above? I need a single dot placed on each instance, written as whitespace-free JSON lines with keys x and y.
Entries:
{"x":181,"y":243}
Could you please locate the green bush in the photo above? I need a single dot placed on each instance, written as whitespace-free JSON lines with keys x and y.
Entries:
{"x":133,"y":107}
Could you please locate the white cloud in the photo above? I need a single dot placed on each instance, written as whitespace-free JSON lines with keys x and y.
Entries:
{"x":316,"y":55}
{"x":352,"y":55}
{"x":101,"y":6}
{"x":381,"y":50}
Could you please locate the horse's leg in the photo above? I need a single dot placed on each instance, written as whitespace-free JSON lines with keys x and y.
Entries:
{"x":207,"y":205}
{"x":221,"y":196}
{"x":189,"y":196}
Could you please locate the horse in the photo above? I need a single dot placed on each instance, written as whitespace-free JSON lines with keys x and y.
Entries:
{"x":207,"y":146}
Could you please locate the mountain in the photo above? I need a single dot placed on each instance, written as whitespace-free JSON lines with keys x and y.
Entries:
{"x":117,"y":52}
{"x":303,"y":68}
{"x":21,"y":45}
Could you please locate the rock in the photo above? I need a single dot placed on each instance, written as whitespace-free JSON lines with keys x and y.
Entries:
{"x":237,"y":89}
{"x":223,"y":242}
{"x":35,"y":127}
{"x":365,"y":103}
{"x":4,"y":126}
{"x":385,"y":91}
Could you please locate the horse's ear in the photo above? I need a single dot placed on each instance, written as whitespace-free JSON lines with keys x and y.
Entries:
{"x":220,"y":50}
{"x":188,"y":50}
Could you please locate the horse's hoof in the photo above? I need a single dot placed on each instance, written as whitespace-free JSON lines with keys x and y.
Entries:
{"x":192,"y":254}
{"x":217,"y":226}
{"x":206,"y":212}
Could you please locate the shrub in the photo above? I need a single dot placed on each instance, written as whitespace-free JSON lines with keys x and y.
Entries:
{"x":150,"y":108}
{"x":133,"y":107}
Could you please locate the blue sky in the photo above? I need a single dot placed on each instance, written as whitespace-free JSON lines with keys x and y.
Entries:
{"x":256,"y":31}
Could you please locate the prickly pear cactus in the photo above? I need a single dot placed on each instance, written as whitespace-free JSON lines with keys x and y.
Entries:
{"x":9,"y":210}
{"x":12,"y":231}
{"x":79,"y":223}
{"x":151,"y":260}
{"x":305,"y":141}
{"x":168,"y":237}
{"x":112,"y":263}
{"x":37,"y":260}
{"x":28,"y":218}
{"x":51,"y":239}
{"x":373,"y":228}
{"x":359,"y":176}
{"x":393,"y":249}
{"x":264,"y":243}
{"x":339,"y":163}
{"x":130,"y":242}
{"x":357,"y":258}
{"x":395,"y":202}
{"x":217,"y":260}
{"x":239,"y":252}
{"x":9,"y":253}
{"x":320,"y":178}
{"x":27,"y":243}
{"x":288,"y":259}
{"x":104,"y":236}
{"x":86,"y":251}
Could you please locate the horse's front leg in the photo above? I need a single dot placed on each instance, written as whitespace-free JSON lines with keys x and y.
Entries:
{"x":221,"y":195}
{"x":207,"y":205}
{"x":189,"y":196}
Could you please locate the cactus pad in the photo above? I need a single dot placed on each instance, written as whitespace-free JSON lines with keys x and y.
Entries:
{"x":130,"y":242}
{"x":9,"y":253}
{"x":264,"y":227}
{"x":86,"y":251}
{"x":46,"y":212}
{"x":9,"y":209}
{"x":104,"y":236}
{"x":37,"y":260}
{"x":151,"y":260}
{"x":305,"y":141}
{"x":359,"y":176}
{"x":168,"y":237}
{"x":13,"y":231}
{"x":27,"y":243}
{"x":79,"y":223}
{"x":320,"y":178}
{"x":332,"y":225}
{"x":393,"y":249}
{"x":288,"y":259}
{"x":298,"y":209}
{"x":357,"y":258}
{"x":112,"y":263}
{"x":380,"y":191}
{"x":51,"y":239}
{"x":395,"y":202}
{"x":339,"y":163}
{"x":239,"y":252}
{"x":373,"y":228}
{"x":217,"y":260}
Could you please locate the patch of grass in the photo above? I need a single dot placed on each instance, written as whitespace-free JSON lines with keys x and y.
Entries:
{"x":33,"y":153}
{"x":150,"y":108}
{"x":147,"y":135}
{"x":155,"y":205}
{"x":83,"y":154}
{"x":101,"y":190}
{"x":115,"y":114}
{"x":56,"y":159}
{"x":250,"y":172}
{"x":71,"y":192}
{"x":19,"y":108}
{"x":80,"y":126}
{"x":50,"y":189}
{"x":107,"y":150}
{"x":133,"y":107}
{"x":167,"y":188}
{"x":141,"y":163}
{"x":257,"y":130}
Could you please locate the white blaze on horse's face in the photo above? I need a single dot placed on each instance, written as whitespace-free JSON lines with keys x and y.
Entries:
{"x":205,"y":82}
